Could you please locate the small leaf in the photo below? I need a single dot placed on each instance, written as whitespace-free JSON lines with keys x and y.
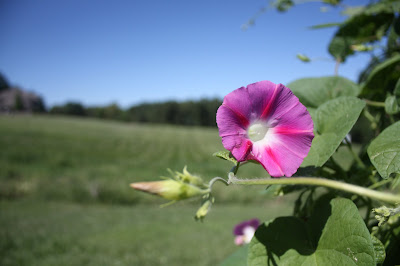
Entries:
{"x":339,"y":48}
{"x":312,"y":92}
{"x":226,"y":155}
{"x":384,"y":151}
{"x":343,"y":239}
{"x":283,"y":5}
{"x":391,"y":105}
{"x":379,"y":250}
{"x":326,"y":25}
{"x":332,"y":122}
{"x":303,"y":58}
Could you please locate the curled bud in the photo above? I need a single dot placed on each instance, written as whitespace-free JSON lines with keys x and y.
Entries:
{"x":169,"y":189}
{"x":204,"y":209}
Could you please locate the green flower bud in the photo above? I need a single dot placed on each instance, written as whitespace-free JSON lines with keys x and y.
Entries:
{"x":187,"y":177}
{"x":169,"y":189}
{"x":204,"y":209}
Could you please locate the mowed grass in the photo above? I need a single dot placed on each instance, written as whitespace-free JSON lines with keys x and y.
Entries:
{"x":56,"y":233}
{"x":90,"y":160}
{"x":66,"y":200}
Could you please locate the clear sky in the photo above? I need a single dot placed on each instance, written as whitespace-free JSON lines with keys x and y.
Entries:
{"x":129,"y":51}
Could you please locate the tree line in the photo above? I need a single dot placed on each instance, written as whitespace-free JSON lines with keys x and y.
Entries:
{"x":190,"y":113}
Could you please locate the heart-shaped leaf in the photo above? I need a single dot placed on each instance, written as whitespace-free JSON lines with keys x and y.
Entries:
{"x":338,"y":236}
{"x":332,"y":122}
{"x":384,"y":151}
{"x":312,"y":92}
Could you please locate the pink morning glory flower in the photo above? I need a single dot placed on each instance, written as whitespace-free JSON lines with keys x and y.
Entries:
{"x":266,"y":122}
{"x":244,"y":231}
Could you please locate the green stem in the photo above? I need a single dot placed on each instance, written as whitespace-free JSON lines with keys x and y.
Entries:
{"x":380,"y":183}
{"x":215,"y":179}
{"x":355,"y":155}
{"x":374,"y":103}
{"x":373,"y":194}
{"x":371,"y":118}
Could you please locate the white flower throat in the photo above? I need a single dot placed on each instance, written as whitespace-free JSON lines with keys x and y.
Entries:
{"x":257,"y":131}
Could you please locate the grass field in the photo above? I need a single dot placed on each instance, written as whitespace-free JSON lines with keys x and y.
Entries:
{"x":65,"y":196}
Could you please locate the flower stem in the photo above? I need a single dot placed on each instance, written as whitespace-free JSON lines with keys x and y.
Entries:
{"x":373,"y":194}
{"x":355,"y":155}
{"x":215,"y":179}
{"x":374,"y":103}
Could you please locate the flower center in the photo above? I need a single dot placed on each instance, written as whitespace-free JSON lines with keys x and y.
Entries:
{"x":257,"y":131}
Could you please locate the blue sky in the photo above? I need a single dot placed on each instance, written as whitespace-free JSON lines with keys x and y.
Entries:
{"x":98,"y":52}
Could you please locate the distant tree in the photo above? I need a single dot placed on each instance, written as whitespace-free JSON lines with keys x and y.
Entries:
{"x":3,"y":83}
{"x":38,"y":106}
{"x":70,"y":108}
{"x":18,"y":102}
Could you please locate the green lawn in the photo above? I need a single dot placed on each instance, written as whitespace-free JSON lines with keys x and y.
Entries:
{"x":54,"y":233}
{"x":65,"y":197}
{"x":89,"y":160}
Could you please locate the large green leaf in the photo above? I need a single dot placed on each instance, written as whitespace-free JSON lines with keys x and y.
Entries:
{"x":333,"y":120}
{"x":384,"y":151}
{"x":335,"y":235}
{"x":312,"y":92}
{"x":382,"y":78}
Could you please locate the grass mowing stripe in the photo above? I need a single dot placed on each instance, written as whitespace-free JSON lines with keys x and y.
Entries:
{"x":48,"y":233}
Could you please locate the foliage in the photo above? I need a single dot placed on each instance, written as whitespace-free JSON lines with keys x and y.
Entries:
{"x":327,"y":229}
{"x":70,"y":108}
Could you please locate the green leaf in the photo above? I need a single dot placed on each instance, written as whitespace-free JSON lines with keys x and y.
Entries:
{"x":391,"y":105}
{"x":332,"y":122}
{"x":379,"y":250}
{"x":326,"y":25}
{"x":339,"y":48}
{"x":239,"y":258}
{"x":303,"y":58}
{"x":384,"y":151}
{"x":283,"y":5}
{"x":336,"y":235}
{"x":312,"y":92}
{"x":382,"y":78}
{"x":226,"y":155}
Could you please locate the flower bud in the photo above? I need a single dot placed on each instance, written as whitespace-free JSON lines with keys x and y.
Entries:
{"x":169,"y":189}
{"x":187,"y":177}
{"x":204,"y":209}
